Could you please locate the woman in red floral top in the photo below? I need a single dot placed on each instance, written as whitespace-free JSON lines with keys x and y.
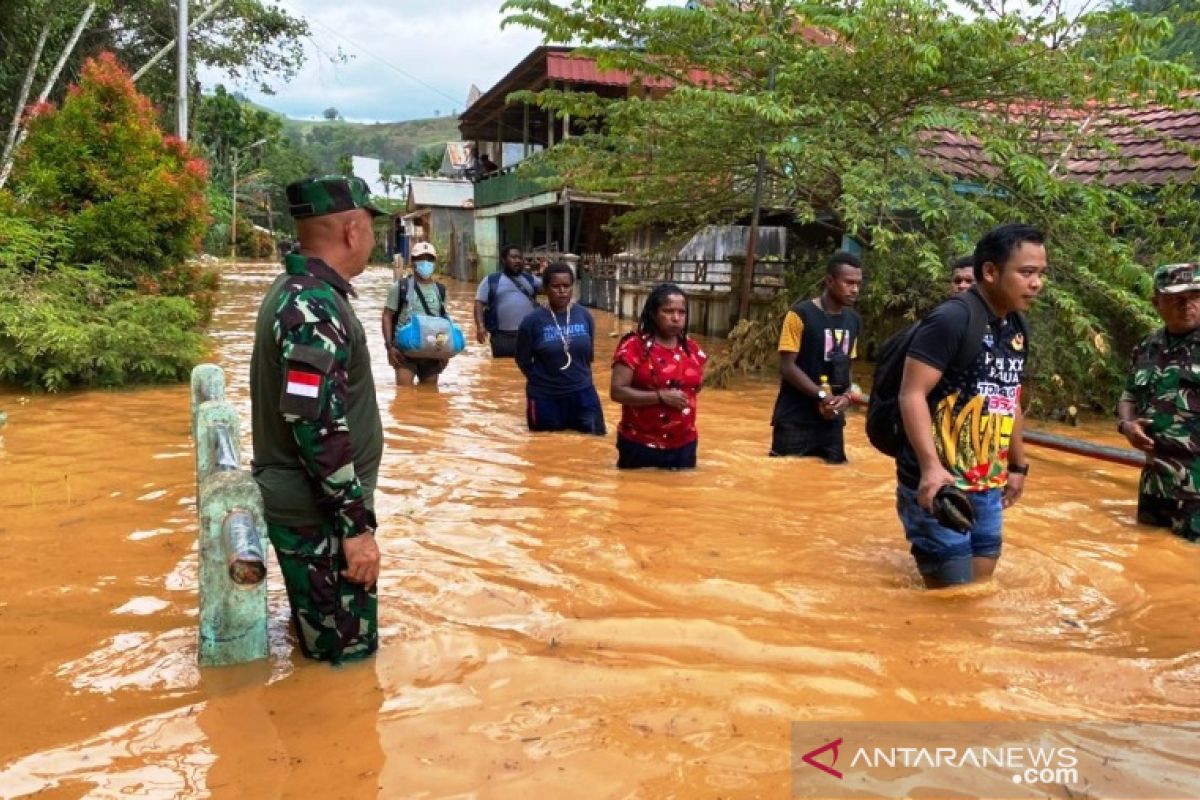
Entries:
{"x":657,"y":372}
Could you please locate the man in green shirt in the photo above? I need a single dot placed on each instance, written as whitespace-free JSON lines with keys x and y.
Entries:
{"x":318,"y":438}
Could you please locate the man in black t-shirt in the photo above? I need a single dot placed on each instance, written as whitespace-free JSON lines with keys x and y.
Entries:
{"x":962,"y":274}
{"x":963,"y":425}
{"x":817,"y":342}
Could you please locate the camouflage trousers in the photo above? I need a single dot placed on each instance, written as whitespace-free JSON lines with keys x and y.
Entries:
{"x":335,"y":620}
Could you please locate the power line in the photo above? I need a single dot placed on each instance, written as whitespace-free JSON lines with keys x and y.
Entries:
{"x":380,"y":59}
{"x":390,"y":65}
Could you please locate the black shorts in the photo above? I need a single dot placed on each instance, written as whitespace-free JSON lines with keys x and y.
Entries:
{"x":578,"y":411}
{"x":504,"y":344}
{"x":826,"y":442}
{"x":423,"y":368}
{"x":631,"y":455}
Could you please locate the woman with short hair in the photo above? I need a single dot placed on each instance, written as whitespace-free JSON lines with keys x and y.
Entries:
{"x":656,"y":374}
{"x":555,"y":347}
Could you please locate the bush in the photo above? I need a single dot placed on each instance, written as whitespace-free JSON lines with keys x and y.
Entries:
{"x":96,"y":288}
{"x":134,"y":199}
{"x":74,"y":327}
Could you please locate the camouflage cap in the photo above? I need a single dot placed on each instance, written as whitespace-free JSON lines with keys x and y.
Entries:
{"x":1177,"y":278}
{"x":316,"y":197}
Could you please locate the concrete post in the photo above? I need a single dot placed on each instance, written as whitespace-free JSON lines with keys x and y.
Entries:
{"x":233,"y":616}
{"x":208,"y":383}
{"x":233,"y":589}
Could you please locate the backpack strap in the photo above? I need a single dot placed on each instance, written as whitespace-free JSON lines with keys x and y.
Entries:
{"x":490,"y":318}
{"x":977,"y":325}
{"x":528,"y":281}
{"x":403,"y":292}
{"x":412,"y":287}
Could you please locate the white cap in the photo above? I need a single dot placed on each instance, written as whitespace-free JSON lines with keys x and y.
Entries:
{"x":423,"y":249}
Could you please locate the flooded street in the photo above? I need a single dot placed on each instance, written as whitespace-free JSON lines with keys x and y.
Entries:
{"x":548,"y":626}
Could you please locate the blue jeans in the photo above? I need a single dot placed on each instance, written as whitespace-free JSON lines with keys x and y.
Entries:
{"x":944,"y":554}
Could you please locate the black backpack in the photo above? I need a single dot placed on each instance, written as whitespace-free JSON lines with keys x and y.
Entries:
{"x":885,"y":428}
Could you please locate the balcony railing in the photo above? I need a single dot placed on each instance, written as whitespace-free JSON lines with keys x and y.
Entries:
{"x":515,"y":183}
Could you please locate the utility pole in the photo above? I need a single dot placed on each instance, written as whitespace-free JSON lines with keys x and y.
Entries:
{"x":233,"y":208}
{"x":747,"y":287}
{"x":181,"y":72}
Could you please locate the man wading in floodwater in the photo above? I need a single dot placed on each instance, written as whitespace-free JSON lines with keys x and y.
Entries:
{"x":963,"y":425}
{"x":503,"y":300}
{"x":1160,"y":408}
{"x":318,"y":438}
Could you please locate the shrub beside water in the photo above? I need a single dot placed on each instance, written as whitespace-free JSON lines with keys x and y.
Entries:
{"x":96,"y":288}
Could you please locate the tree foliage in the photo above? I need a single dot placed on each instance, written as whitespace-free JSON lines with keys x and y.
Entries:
{"x":1183,"y":43}
{"x":250,"y":40}
{"x":426,"y":161}
{"x":133,"y":197}
{"x":95,"y":236}
{"x":229,"y":129}
{"x":844,"y":98}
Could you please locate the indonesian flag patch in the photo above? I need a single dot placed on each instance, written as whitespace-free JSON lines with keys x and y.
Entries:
{"x":302,"y":384}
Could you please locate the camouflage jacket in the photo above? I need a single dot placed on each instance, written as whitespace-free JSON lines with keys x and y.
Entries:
{"x":1164,"y":387}
{"x":318,"y":439}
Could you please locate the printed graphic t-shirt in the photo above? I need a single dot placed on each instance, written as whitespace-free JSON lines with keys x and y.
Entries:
{"x":541,"y":356}
{"x":974,"y":409}
{"x":814,"y":337}
{"x":661,"y":368}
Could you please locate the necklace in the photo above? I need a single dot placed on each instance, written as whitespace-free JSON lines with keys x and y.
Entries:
{"x":565,"y":336}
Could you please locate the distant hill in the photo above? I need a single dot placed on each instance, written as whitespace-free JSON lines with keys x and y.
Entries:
{"x":394,"y":143}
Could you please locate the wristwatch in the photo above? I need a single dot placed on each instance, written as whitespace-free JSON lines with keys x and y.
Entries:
{"x":822,"y":394}
{"x":1121,"y":423}
{"x":1019,"y":469}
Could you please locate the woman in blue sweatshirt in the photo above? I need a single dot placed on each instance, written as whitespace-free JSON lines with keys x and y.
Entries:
{"x":554,"y":350}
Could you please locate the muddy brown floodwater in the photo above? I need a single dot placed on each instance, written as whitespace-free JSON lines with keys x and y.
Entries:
{"x":550,"y":627}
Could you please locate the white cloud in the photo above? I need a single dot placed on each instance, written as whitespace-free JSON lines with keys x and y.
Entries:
{"x":410,"y":58}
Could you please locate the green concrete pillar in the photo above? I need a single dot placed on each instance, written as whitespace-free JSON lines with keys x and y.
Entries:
{"x":208,"y":383}
{"x":233,"y":616}
{"x":232,"y":544}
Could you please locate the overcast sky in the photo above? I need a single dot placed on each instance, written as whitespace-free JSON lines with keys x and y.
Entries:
{"x":409,"y":58}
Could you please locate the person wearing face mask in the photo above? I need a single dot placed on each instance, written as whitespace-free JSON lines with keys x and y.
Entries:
{"x":428,"y":296}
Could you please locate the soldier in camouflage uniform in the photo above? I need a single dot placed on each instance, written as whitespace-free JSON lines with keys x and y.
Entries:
{"x":318,"y":438}
{"x":1160,"y":408}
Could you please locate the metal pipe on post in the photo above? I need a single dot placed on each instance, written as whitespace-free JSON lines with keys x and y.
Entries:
{"x":1064,"y":444}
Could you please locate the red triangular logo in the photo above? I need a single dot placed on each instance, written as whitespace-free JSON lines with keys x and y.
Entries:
{"x":809,"y":758}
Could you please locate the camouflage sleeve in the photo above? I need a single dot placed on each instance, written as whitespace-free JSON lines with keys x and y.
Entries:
{"x":315,"y":352}
{"x":1129,"y":391}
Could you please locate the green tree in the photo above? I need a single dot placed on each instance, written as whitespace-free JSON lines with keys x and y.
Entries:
{"x":104,"y":210}
{"x":331,"y":114}
{"x":133,"y":198}
{"x":844,"y":99}
{"x":426,"y":161}
{"x":1183,"y":44}
{"x":251,"y":40}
